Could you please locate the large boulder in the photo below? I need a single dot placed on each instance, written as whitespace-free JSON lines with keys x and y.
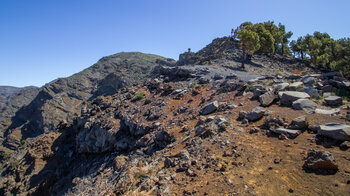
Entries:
{"x":334,"y":100}
{"x":320,"y":160}
{"x":267,"y":98}
{"x":304,"y":104}
{"x":210,"y":108}
{"x":288,"y":97}
{"x":255,"y":114}
{"x":335,"y":131}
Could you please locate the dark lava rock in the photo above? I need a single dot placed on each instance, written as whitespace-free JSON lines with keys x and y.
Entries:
{"x":299,"y":123}
{"x":345,"y":145}
{"x":210,"y":108}
{"x":320,"y":160}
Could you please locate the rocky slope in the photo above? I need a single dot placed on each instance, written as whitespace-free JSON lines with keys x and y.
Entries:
{"x":62,"y":99}
{"x":13,"y":99}
{"x":201,"y":128}
{"x":180,"y":139}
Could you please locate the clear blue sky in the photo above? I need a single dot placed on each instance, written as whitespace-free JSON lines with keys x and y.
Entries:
{"x":43,"y":40}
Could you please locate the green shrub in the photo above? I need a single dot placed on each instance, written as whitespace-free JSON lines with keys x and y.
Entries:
{"x":250,"y":88}
{"x":6,"y":156}
{"x":138,"y":97}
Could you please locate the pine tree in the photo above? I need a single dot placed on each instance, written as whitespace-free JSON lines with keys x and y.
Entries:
{"x":249,"y":43}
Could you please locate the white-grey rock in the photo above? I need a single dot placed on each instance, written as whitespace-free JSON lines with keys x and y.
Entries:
{"x":334,"y":100}
{"x":327,"y":95}
{"x":288,"y":132}
{"x":281,"y":86}
{"x":304,"y":104}
{"x":231,"y":106}
{"x":346,"y":84}
{"x":335,"y":131}
{"x":210,"y":108}
{"x":330,"y":112}
{"x":288,"y":97}
{"x":267,"y":98}
{"x":295,"y":85}
{"x":255,"y":114}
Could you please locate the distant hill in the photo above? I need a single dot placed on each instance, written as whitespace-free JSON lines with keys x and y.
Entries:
{"x":7,"y":92}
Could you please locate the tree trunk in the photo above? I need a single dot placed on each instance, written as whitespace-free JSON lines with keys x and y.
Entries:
{"x":243,"y":59}
{"x":302,"y":55}
{"x":282,"y":49}
{"x":333,"y":52}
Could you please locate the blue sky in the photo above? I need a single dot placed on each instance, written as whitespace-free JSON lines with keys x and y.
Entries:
{"x":41,"y":40}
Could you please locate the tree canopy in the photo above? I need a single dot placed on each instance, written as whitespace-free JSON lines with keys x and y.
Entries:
{"x":273,"y":38}
{"x":323,"y":51}
{"x":319,"y":48}
{"x":262,"y":37}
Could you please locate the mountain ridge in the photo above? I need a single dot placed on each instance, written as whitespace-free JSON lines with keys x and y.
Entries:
{"x":60,"y":99}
